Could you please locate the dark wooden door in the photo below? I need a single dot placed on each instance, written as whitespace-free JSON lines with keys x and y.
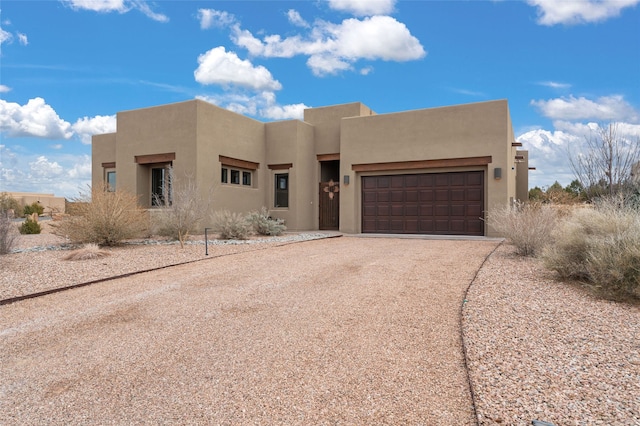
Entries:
{"x":329,"y":206}
{"x":429,"y":203}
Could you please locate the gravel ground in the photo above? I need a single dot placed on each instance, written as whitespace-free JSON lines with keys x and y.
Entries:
{"x":333,"y":331}
{"x":540,"y":349}
{"x":38,"y":264}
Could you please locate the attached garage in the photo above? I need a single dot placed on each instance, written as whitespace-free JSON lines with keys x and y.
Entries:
{"x":430,"y":203}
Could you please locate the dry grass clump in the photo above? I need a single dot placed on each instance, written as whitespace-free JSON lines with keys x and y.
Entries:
{"x":105,"y":218}
{"x":600,"y":246}
{"x":527,"y":226}
{"x":87,"y":252}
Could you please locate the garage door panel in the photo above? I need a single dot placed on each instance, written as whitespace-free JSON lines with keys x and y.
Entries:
{"x":397,"y":196}
{"x":458,"y":194}
{"x":369,"y":210}
{"x":458,"y":210}
{"x":442,"y":195}
{"x":427,"y":203}
{"x":397,"y":181}
{"x":369,"y":197}
{"x":441,"y":210}
{"x":383,"y":210}
{"x":475,"y":194}
{"x":426,"y":195}
{"x":397,"y":210}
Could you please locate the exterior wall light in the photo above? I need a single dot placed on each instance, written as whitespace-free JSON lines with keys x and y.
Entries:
{"x":497,"y":173}
{"x":346,"y":179}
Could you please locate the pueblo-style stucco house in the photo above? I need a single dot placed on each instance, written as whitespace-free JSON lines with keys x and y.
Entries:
{"x":343,"y":167}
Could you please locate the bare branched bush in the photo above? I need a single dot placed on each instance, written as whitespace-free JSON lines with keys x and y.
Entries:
{"x":527,"y":226}
{"x":87,"y":252}
{"x":231,"y":226}
{"x":601,"y":246}
{"x":8,"y":232}
{"x":263,"y":224}
{"x":103,"y":217}
{"x":186,"y":211}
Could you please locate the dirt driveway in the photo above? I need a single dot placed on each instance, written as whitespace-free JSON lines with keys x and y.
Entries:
{"x":336,"y":331}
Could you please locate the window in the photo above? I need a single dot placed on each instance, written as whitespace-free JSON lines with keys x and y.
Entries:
{"x":246,"y":178}
{"x":160,"y":187}
{"x":281,"y":198}
{"x":111,"y":181}
{"x":234,"y":176}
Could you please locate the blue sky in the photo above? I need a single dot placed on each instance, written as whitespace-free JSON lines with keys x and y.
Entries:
{"x":67,"y":67}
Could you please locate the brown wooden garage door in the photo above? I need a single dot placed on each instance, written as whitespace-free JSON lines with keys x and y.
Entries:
{"x":430,"y":203}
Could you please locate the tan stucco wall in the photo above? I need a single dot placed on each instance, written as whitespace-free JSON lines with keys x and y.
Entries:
{"x":156,"y":130}
{"x":292,"y":142}
{"x":222,"y":132}
{"x":522,"y":176}
{"x":473,"y":130}
{"x":103,"y":150}
{"x":326,"y":123}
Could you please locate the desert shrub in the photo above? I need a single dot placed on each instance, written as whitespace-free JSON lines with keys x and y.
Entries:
{"x":599,"y":245}
{"x":10,"y":205}
{"x":30,"y":225}
{"x":32,"y":208}
{"x":185,"y":213}
{"x":262,"y":224}
{"x":8,"y":232}
{"x":231,"y":226}
{"x":527,"y":226}
{"x":103,"y":217}
{"x":86,"y":252}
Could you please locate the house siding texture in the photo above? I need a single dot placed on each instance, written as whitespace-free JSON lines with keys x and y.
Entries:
{"x":200,"y":134}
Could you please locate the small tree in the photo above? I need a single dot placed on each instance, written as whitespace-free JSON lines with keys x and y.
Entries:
{"x":32,"y":208}
{"x":605,"y":166}
{"x":10,"y":205}
{"x":185,"y":212}
{"x":104,"y":217}
{"x":8,"y":232}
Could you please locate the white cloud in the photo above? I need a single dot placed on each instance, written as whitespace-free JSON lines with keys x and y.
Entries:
{"x":98,"y":5}
{"x":86,"y":127}
{"x":555,"y":84}
{"x":217,"y":66}
{"x":214,"y":18}
{"x":22,"y":38}
{"x":549,"y":154}
{"x":120,"y":6}
{"x":263,"y":105}
{"x":571,"y":12}
{"x":4,"y":89}
{"x":36,"y":118}
{"x":335,"y":47}
{"x":297,"y":20}
{"x":5,"y":36}
{"x":363,"y":7}
{"x":63,"y":175}
{"x":607,"y":108}
{"x":43,"y":168}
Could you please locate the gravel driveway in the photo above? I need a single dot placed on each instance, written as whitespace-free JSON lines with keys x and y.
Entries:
{"x":335,"y":331}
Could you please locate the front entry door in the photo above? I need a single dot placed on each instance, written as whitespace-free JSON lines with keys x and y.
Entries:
{"x":329,"y":205}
